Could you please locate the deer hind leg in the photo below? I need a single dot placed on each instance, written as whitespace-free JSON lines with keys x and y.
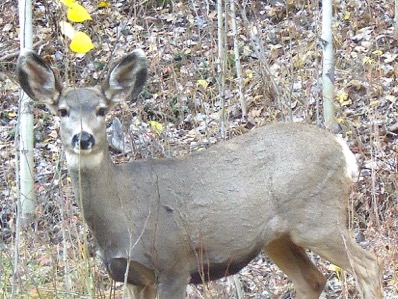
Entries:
{"x":141,"y":292}
{"x":295,"y":263}
{"x":340,"y":249}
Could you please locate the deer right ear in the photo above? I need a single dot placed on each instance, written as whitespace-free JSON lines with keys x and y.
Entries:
{"x":37,"y":79}
{"x":127,"y":78}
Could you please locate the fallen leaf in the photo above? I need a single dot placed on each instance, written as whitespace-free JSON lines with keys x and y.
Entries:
{"x":103,"y":4}
{"x":77,"y":13}
{"x":67,"y":29}
{"x":81,"y":43}
{"x":202,"y":83}
{"x":156,"y":127}
{"x":68,"y":3}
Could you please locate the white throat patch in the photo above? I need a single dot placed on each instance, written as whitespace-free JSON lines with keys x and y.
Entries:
{"x":84,"y":161}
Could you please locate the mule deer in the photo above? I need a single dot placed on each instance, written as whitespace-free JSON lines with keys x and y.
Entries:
{"x":161,"y":224}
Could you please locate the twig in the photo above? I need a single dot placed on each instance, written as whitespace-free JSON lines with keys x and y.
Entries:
{"x":15,"y":53}
{"x":221,"y":64}
{"x":238,"y":66}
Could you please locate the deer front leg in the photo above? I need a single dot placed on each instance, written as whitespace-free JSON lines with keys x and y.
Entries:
{"x":172,"y":288}
{"x":141,"y":292}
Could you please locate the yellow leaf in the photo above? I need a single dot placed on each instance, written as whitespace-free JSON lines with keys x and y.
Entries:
{"x":202,"y":83}
{"x":68,"y":3}
{"x":249,"y":77}
{"x":81,"y":43}
{"x":346,"y":103}
{"x":377,"y":52}
{"x":337,"y":270}
{"x":342,"y":96}
{"x":368,"y":60}
{"x":103,"y":4}
{"x":155,"y":126}
{"x":343,"y":99}
{"x":77,"y":13}
{"x":67,"y":29}
{"x":347,"y":15}
{"x":249,"y":74}
{"x":11,"y":114}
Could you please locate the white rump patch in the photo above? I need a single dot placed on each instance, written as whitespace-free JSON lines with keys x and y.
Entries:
{"x":352,"y":170}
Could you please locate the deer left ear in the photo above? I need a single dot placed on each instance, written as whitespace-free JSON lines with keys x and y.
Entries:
{"x":37,"y":79}
{"x":127,"y":78}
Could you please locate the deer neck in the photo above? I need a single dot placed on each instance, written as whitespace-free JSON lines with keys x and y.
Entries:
{"x":93,"y":180}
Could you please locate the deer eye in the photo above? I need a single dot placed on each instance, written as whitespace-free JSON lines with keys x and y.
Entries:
{"x":63,"y":112}
{"x":101,"y":111}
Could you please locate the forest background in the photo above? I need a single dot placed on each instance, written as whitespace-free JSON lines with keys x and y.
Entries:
{"x":180,"y":111}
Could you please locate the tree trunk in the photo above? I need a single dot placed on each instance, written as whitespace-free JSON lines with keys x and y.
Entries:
{"x":396,"y":20}
{"x":27,"y":198}
{"x":328,"y":66}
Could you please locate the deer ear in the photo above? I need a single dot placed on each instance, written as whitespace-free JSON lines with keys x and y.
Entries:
{"x":37,"y":79}
{"x":127,"y":78}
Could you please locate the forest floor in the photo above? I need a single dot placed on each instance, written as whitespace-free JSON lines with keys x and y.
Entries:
{"x":179,"y":112}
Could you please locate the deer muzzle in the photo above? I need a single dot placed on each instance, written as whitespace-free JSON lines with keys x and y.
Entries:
{"x":83,"y":141}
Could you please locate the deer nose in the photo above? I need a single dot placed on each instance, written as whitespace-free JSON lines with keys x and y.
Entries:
{"x":83,"y":140}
